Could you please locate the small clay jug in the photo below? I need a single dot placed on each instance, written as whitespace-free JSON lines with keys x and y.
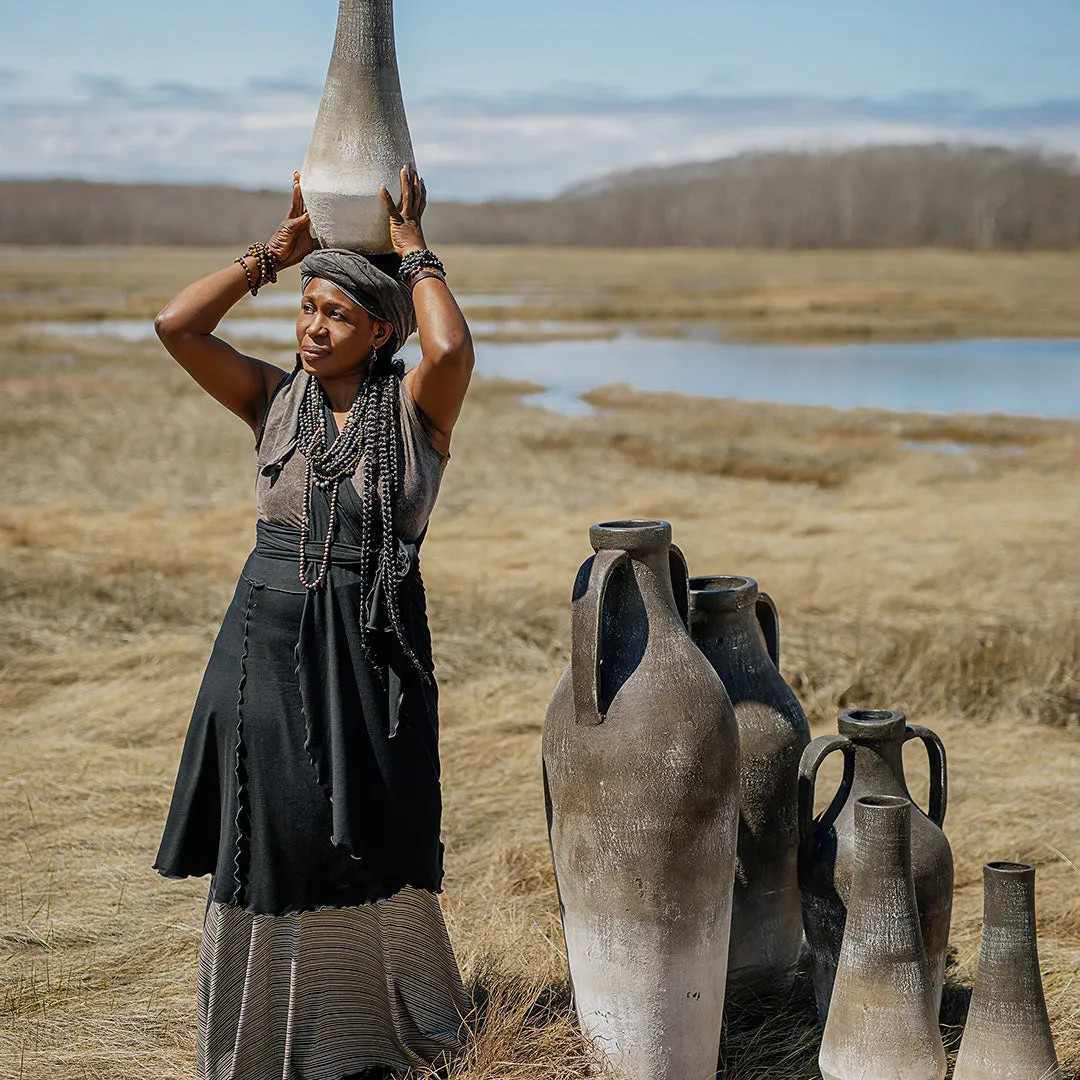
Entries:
{"x":872,"y":742}
{"x":361,"y":137}
{"x":883,"y":1018}
{"x":737,"y":627}
{"x":1007,"y":1034}
{"x":641,"y":781}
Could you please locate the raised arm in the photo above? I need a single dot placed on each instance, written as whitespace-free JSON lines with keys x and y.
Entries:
{"x":187,"y":323}
{"x":439,"y":383}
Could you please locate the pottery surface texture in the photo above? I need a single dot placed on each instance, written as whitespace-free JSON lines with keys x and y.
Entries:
{"x":883,"y":1019}
{"x":872,"y":742}
{"x":361,"y":138}
{"x":641,"y":781}
{"x":738,"y":630}
{"x":1007,"y":1034}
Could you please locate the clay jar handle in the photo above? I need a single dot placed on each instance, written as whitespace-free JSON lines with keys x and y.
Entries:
{"x":587,"y":618}
{"x":680,"y":583}
{"x":939,"y":770}
{"x":811,"y":760}
{"x":769,"y":620}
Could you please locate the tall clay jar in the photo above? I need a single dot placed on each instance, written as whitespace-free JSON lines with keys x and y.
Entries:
{"x":872,"y":742}
{"x":641,"y":779}
{"x":737,"y":628}
{"x":883,"y":1020}
{"x":361,"y":138}
{"x":1007,"y":1034}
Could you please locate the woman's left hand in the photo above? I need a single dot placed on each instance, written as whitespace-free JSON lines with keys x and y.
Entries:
{"x":405,"y":232}
{"x":293,"y":240}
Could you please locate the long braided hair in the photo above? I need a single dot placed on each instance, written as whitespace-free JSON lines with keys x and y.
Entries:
{"x":380,"y":413}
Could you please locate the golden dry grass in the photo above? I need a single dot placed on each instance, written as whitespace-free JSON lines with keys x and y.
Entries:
{"x":945,"y":585}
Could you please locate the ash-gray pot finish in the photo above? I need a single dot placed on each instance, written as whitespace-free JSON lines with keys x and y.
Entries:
{"x":737,"y":627}
{"x":883,"y":1019}
{"x":1007,"y":1035}
{"x":641,"y":781}
{"x":872,"y":742}
{"x":361,"y":137}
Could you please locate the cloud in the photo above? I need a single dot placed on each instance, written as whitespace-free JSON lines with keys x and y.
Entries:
{"x":519,"y":145}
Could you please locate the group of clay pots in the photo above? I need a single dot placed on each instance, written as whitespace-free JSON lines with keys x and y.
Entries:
{"x":679,"y":780}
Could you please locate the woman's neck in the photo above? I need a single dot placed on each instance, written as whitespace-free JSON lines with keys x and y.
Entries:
{"x":341,"y":390}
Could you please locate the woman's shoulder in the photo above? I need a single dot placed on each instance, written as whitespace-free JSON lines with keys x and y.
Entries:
{"x":277,"y":432}
{"x":416,"y":427}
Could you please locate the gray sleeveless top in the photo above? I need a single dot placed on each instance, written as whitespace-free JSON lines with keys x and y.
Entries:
{"x":279,"y":485}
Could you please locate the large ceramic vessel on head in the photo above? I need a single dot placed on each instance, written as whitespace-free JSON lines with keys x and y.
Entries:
{"x":737,"y":628}
{"x":872,"y":742}
{"x":642,"y":787}
{"x":1007,"y":1034}
{"x":361,"y":137}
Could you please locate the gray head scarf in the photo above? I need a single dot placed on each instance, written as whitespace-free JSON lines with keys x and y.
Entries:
{"x":379,"y":294}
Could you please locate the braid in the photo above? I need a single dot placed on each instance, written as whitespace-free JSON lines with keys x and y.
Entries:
{"x":382,"y":483}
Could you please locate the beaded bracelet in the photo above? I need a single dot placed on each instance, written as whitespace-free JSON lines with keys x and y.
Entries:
{"x":266,"y":262}
{"x":421,"y":259}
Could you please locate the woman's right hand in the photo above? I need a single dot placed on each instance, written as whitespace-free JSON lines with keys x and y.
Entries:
{"x":293,"y":239}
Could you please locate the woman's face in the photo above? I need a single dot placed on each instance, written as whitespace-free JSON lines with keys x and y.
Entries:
{"x":334,"y":334}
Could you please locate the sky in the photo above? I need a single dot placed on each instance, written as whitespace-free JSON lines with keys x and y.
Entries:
{"x":510,"y":99}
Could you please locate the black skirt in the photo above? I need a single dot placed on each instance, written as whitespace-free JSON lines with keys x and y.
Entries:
{"x":310,"y":772}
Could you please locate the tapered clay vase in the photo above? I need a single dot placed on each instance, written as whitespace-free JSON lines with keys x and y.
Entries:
{"x":738,"y":629}
{"x":883,"y":1019}
{"x":361,"y":137}
{"x":1007,"y":1034}
{"x":872,"y":741}
{"x":641,"y":779}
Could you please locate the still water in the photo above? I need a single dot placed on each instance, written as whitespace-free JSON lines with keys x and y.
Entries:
{"x":1030,"y":377}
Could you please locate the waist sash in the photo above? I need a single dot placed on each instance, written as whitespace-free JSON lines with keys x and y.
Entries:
{"x":340,"y":683}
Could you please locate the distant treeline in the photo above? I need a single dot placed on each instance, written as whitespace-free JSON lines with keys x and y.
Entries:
{"x":875,"y":197}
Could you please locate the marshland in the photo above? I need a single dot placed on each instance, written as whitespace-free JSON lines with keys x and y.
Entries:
{"x":921,"y":561}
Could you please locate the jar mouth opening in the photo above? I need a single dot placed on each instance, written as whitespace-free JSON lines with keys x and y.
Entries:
{"x":630,"y":534}
{"x":871,"y":716}
{"x":871,"y":724}
{"x":722,"y":583}
{"x":722,"y":592}
{"x":1012,"y":868}
{"x":892,"y":801}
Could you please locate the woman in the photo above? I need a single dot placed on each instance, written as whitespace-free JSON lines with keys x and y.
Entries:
{"x":309,"y":782}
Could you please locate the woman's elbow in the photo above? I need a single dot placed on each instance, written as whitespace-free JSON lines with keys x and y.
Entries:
{"x":166,"y":324}
{"x":458,"y":351}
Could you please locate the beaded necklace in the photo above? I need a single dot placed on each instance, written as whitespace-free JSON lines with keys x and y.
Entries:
{"x":326,"y":468}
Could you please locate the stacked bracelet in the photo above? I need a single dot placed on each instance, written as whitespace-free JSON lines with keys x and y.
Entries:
{"x":415,"y":261}
{"x":419,"y":276}
{"x":266,"y":262}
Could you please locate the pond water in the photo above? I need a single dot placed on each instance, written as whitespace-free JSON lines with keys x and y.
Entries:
{"x":1030,"y":377}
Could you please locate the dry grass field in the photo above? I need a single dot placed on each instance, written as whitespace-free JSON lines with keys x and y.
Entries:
{"x":944,"y":584}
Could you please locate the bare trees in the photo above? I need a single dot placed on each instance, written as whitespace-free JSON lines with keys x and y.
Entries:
{"x":889,"y":196}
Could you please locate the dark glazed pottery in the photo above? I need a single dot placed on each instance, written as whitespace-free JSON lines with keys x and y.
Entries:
{"x":738,"y":629}
{"x":883,"y":1018}
{"x":642,"y":788}
{"x":872,"y":742}
{"x":1007,"y":1034}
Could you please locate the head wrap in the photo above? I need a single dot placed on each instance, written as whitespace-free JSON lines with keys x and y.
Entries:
{"x":382,"y":296}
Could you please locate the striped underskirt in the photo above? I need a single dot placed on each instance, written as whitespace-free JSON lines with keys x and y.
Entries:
{"x":324,"y":994}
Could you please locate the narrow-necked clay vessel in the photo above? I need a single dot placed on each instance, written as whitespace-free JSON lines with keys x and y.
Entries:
{"x":872,"y":741}
{"x":738,"y":629}
{"x":883,"y":1019}
{"x":1007,"y":1035}
{"x":361,"y":138}
{"x":641,"y":779}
